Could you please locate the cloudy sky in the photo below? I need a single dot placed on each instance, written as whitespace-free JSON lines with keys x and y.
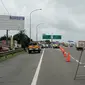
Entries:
{"x":63,"y":17}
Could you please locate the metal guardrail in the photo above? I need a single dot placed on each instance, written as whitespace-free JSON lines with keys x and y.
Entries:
{"x":6,"y":53}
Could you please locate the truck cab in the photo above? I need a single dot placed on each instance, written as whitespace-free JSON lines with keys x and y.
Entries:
{"x":80,"y":45}
{"x":34,"y":47}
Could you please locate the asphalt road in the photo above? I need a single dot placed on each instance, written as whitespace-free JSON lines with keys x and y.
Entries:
{"x":19,"y":70}
{"x":47,"y":68}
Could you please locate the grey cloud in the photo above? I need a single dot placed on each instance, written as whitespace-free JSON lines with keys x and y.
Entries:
{"x":76,"y":6}
{"x":64,"y":15}
{"x":69,"y":26}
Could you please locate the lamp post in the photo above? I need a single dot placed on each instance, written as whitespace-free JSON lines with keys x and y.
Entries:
{"x":30,"y":19}
{"x":37,"y":31}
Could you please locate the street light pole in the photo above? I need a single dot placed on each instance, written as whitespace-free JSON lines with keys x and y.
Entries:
{"x":30,"y":20}
{"x":30,"y":26}
{"x":36,"y":34}
{"x":37,"y":31}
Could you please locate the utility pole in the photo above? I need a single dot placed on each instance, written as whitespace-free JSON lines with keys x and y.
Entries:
{"x":6,"y":37}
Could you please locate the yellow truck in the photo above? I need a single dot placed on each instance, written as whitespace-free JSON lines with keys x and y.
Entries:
{"x":34,"y":47}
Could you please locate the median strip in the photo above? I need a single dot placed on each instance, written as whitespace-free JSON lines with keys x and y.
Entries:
{"x":9,"y":54}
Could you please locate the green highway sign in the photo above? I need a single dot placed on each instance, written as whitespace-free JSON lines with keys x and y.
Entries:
{"x":53,"y":36}
{"x":46,"y":36}
{"x":57,"y":37}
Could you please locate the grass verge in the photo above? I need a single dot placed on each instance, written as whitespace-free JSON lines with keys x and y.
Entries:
{"x":10,"y":56}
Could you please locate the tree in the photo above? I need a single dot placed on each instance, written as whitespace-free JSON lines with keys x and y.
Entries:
{"x":4,"y":38}
{"x":47,"y":41}
{"x":22,"y":39}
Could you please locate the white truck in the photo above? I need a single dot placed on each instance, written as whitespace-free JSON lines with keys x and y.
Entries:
{"x":80,"y":45}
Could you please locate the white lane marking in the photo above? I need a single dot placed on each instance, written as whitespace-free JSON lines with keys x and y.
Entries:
{"x":35,"y":78}
{"x":72,"y":58}
{"x":80,"y":63}
{"x":76,"y":60}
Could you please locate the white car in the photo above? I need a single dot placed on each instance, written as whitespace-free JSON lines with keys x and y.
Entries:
{"x":43,"y":46}
{"x":46,"y":45}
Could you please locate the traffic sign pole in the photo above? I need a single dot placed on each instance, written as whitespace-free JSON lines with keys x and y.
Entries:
{"x":52,"y":40}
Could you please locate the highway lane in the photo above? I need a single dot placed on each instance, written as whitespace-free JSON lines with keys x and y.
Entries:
{"x":19,"y":70}
{"x":56,"y":71}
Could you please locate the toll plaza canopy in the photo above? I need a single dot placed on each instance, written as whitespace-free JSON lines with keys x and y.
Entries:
{"x":11,"y":22}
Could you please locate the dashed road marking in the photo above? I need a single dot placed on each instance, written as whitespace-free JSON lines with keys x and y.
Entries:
{"x":76,"y":60}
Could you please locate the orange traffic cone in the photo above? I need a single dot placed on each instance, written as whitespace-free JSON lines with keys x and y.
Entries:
{"x":65,"y":55}
{"x":60,"y":48}
{"x":68,"y":58}
{"x":63,"y":51}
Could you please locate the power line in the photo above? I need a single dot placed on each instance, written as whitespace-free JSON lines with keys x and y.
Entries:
{"x":4,"y":6}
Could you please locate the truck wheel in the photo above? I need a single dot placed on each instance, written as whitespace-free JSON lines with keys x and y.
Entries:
{"x":39,"y":51}
{"x":29,"y":52}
